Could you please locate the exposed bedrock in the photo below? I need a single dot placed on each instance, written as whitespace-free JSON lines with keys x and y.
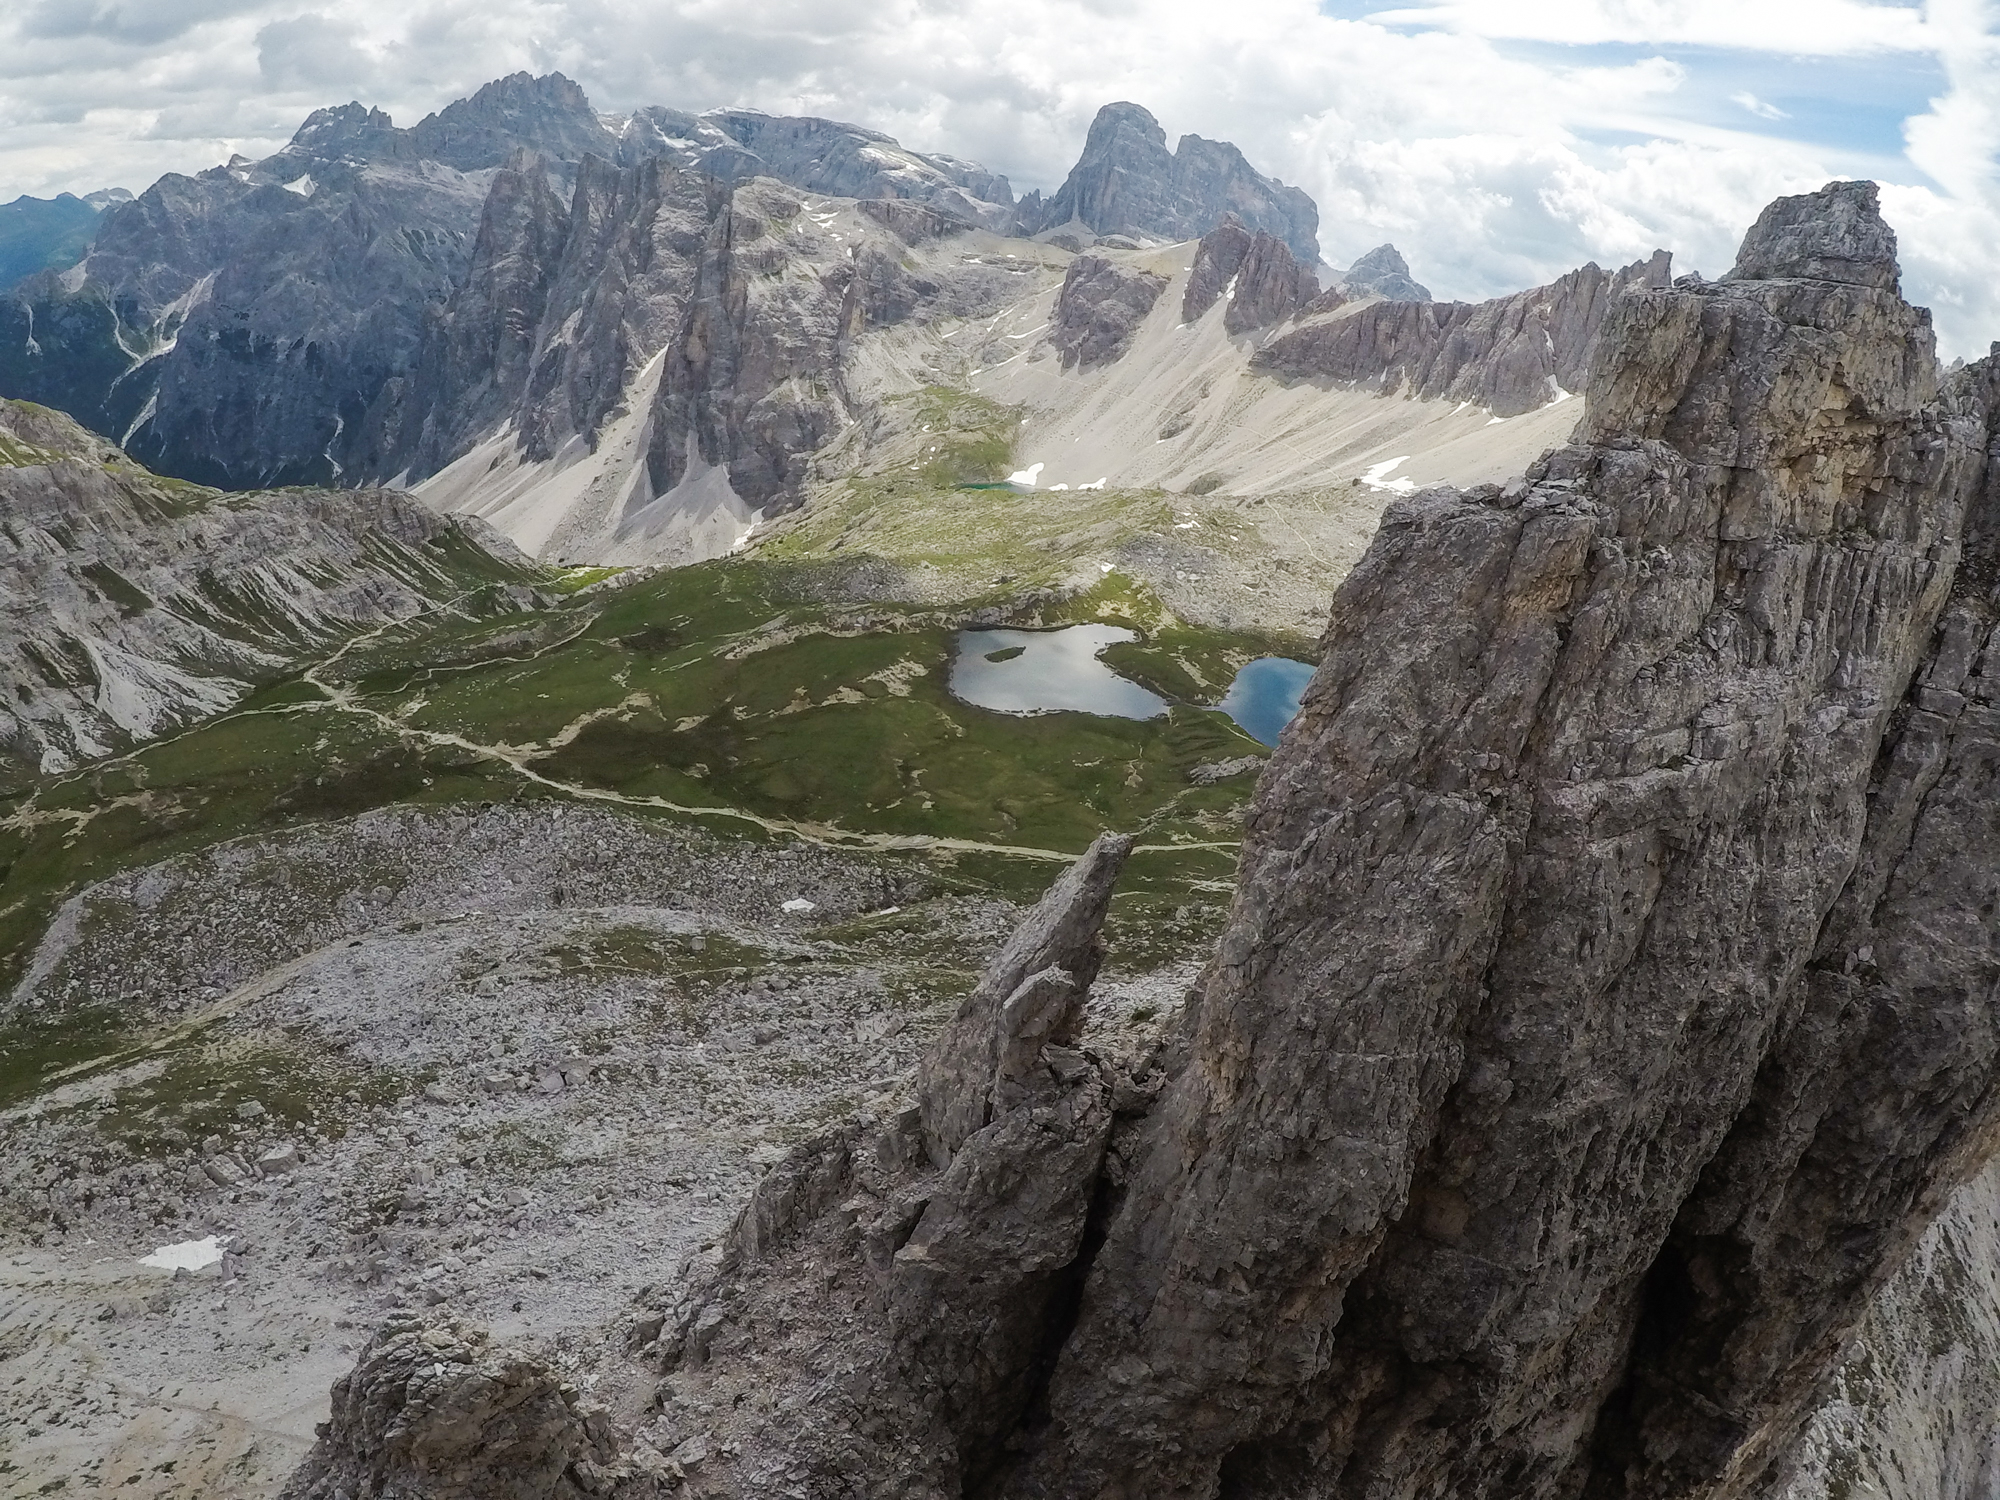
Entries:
{"x":1607,"y":1006}
{"x":1099,"y":309}
{"x":436,"y":1411}
{"x":1127,"y":182}
{"x":1383,"y":272}
{"x":1264,"y":282}
{"x":1509,"y":355}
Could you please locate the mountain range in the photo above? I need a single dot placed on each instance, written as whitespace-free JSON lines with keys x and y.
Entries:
{"x":613,"y":307}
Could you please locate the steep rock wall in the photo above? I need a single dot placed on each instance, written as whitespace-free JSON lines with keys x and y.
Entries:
{"x":1509,"y":355}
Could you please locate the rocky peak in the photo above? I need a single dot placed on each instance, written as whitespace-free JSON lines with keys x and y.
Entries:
{"x":1127,"y":182}
{"x":352,"y":129}
{"x":816,"y":156}
{"x":1383,"y":272}
{"x":1835,"y":234}
{"x":1125,"y":127}
{"x":550,"y":114}
{"x":1266,"y":283}
{"x":1099,"y":309}
{"x":1509,"y":355}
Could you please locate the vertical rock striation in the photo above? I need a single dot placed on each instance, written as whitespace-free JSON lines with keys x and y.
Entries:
{"x":1264,"y":282}
{"x":1099,"y":309}
{"x":1509,"y":355}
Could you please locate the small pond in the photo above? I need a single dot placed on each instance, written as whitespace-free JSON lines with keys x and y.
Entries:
{"x":1264,"y":698}
{"x":1044,"y":671}
{"x":1041,"y":671}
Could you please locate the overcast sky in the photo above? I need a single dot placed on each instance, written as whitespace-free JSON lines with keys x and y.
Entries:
{"x":1497,"y":142}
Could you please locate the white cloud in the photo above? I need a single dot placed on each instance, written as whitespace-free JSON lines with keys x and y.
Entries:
{"x":1800,"y":27}
{"x":1492,"y":158}
{"x":1758,"y":107}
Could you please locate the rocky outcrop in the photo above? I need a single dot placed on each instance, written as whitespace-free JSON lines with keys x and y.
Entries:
{"x":1509,"y":355}
{"x":669,"y":352}
{"x":437,"y":1411}
{"x":1099,"y":309}
{"x":561,"y":306}
{"x":1127,"y":182}
{"x":1265,"y":284}
{"x":240,"y":327}
{"x":1908,"y":1414}
{"x":1383,"y":272}
{"x":1605,"y":1010}
{"x":130,"y":605}
{"x":882,"y":1303}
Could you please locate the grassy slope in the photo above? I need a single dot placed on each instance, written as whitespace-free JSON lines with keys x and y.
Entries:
{"x":744,"y":686}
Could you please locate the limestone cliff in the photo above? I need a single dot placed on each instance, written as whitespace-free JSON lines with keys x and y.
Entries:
{"x":1126,"y":182}
{"x":1509,"y":355}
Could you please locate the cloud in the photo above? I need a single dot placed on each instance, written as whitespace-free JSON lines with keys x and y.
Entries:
{"x":311,"y":51}
{"x":139,"y":22}
{"x":1808,"y":27}
{"x":1497,"y":144}
{"x":1758,"y":107}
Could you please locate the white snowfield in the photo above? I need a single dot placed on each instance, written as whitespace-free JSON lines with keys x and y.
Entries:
{"x":188,"y":1255}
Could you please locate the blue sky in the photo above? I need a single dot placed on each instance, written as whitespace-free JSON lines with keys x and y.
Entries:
{"x":1496,"y":142}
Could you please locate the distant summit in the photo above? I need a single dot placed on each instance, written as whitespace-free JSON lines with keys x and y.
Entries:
{"x":50,"y":234}
{"x":1128,"y":183}
{"x":1383,"y":272}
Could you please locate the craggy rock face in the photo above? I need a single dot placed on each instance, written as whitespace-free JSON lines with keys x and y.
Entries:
{"x":277,"y":299}
{"x":1100,"y":308}
{"x":1383,"y":272}
{"x":369,"y":301}
{"x":1559,"y":1069}
{"x":816,"y":156}
{"x":1510,"y":355}
{"x":435,"y":1411}
{"x":1265,"y":283}
{"x":1127,"y":182}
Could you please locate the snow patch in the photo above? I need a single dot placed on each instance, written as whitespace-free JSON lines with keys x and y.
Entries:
{"x":188,"y":1255}
{"x":1028,"y":476}
{"x":146,"y":414}
{"x":304,"y":186}
{"x":1377,"y":477}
